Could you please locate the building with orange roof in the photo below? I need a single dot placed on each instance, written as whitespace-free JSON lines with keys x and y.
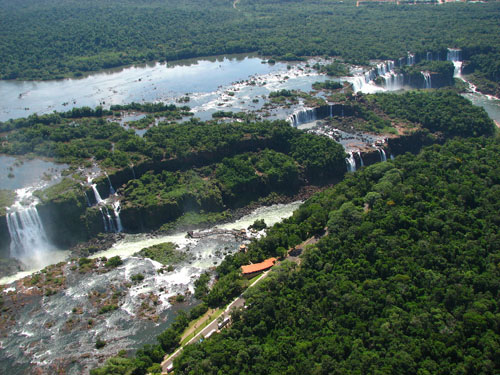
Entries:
{"x":253,"y":269}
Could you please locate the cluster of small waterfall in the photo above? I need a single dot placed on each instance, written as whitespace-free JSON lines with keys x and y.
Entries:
{"x":303,"y":116}
{"x":111,"y":222}
{"x":392,"y":81}
{"x":427,"y":80}
{"x":308,"y":115}
{"x":350,"y":160}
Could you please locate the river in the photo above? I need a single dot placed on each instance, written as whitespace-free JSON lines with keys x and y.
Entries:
{"x":207,"y":82}
{"x":53,"y":332}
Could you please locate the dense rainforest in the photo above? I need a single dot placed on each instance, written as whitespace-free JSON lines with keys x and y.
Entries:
{"x":405,"y":278}
{"x":59,"y":39}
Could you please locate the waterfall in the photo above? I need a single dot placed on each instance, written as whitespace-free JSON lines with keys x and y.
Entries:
{"x":394,"y":81}
{"x":133,"y":172}
{"x":392,"y":157}
{"x":87,"y":199}
{"x":358,"y":83}
{"x":410,"y":59}
{"x":109,"y":225}
{"x":104,"y":219}
{"x":429,"y":56}
{"x":111,"y":189}
{"x":361,"y":159}
{"x":28,"y":237}
{"x":427,"y":80}
{"x":351,"y":163}
{"x":453,"y":55}
{"x":303,"y":116}
{"x":381,"y":151}
{"x":98,"y":198}
{"x":116,"y":210}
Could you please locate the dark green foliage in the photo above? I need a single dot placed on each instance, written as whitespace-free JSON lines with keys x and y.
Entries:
{"x":408,"y":285}
{"x":439,"y":111}
{"x":107,"y":308}
{"x":335,"y":69}
{"x":486,"y":68}
{"x":84,"y":261}
{"x":284,"y":92}
{"x":445,"y":68}
{"x":327,"y":85}
{"x":148,"y":107}
{"x":114,"y":262}
{"x":258,"y":225}
{"x":99,"y":344}
{"x":136,"y":278}
{"x":64,"y":41}
{"x":198,"y":311}
{"x":201,"y":285}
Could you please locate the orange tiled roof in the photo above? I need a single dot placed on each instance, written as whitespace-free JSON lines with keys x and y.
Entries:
{"x":251,"y":268}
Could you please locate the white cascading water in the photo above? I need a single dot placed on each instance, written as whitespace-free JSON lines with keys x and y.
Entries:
{"x":303,"y":116}
{"x":393,"y":81}
{"x":358,"y":82}
{"x":427,"y":80}
{"x":108,"y":220}
{"x":116,"y":210}
{"x":364,"y":82}
{"x":88,"y":200}
{"x":453,"y":55}
{"x":410,"y":59}
{"x":429,"y":56}
{"x":381,"y":151}
{"x":351,"y":163}
{"x":28,"y":239}
{"x":97,"y":196}
{"x":104,"y":220}
{"x":361,"y":159}
{"x":111,"y":188}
